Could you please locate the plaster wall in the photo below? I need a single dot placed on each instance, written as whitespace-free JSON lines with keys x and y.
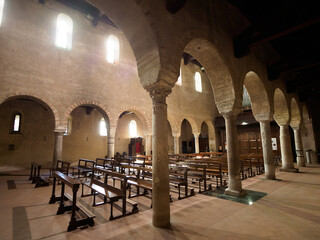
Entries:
{"x":85,"y":140}
{"x":36,"y":139}
{"x":122,"y":138}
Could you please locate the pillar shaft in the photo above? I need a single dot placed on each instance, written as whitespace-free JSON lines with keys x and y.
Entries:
{"x":160,"y":168}
{"x":176,"y":144}
{"x":299,"y":148}
{"x":270,"y":171}
{"x":58,"y":144}
{"x":196,"y":142}
{"x":148,"y":144}
{"x":234,"y":185}
{"x":111,"y":141}
{"x":286,"y":150}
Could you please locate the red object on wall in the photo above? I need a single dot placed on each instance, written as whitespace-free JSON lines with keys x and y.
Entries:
{"x":137,"y":147}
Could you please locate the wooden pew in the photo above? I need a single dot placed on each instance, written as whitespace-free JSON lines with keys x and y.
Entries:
{"x":35,"y":176}
{"x":106,"y":163}
{"x":109,"y":192}
{"x":84,"y":167}
{"x":178,"y":176}
{"x":80,"y":215}
{"x":62,"y":166}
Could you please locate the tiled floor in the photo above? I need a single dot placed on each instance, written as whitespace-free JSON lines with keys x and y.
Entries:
{"x":291,"y":210}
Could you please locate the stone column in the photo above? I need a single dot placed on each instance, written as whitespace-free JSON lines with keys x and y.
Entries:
{"x":58,"y":144}
{"x":111,"y":141}
{"x":270,"y":170}
{"x":299,"y":148}
{"x":160,"y":168}
{"x":176,"y":143}
{"x":148,"y":144}
{"x":286,"y":150}
{"x":196,"y":142}
{"x":234,"y":185}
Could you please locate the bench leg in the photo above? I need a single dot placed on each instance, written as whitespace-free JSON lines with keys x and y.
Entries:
{"x":61,"y":209}
{"x":111,"y":210}
{"x":53,"y":197}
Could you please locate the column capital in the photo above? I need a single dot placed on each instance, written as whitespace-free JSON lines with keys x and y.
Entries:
{"x":196,"y":134}
{"x":229,"y":115}
{"x":265,"y":117}
{"x":159,"y":93}
{"x":176,"y":135}
{"x":59,"y":131}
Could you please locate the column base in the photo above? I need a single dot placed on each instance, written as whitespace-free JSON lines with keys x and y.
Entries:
{"x":235,"y":193}
{"x":293,"y":170}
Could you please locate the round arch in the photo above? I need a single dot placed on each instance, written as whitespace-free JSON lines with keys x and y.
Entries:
{"x":281,"y":111}
{"x":101,"y":109}
{"x":295,"y":119}
{"x":210,"y":57}
{"x":195,"y":128}
{"x":258,"y":95}
{"x":42,"y":101}
{"x":141,"y":114}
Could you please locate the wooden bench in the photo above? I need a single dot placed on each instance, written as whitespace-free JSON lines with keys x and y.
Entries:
{"x":36,"y":177}
{"x":106,"y":163}
{"x":80,"y":215}
{"x":84,"y":167}
{"x":141,"y":179}
{"x":110,"y":193}
{"x":62,"y":166}
{"x":178,"y":176}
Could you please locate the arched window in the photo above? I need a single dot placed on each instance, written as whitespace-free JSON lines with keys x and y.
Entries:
{"x":64,"y":32}
{"x":197,"y":79}
{"x":112,"y":49}
{"x":179,"y":82}
{"x":69,"y":126}
{"x":16,"y":123}
{"x":103,"y":127}
{"x":133,"y":129}
{"x":1,"y":10}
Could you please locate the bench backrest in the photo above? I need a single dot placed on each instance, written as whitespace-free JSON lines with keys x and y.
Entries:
{"x":85,"y":163}
{"x":110,"y":173}
{"x":62,"y":166}
{"x":107,"y":163}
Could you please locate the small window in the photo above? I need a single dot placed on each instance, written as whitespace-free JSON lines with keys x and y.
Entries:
{"x":64,"y":32}
{"x":197,"y":79}
{"x":133,"y":129}
{"x":16,"y":123}
{"x":1,"y":10}
{"x":112,"y":49}
{"x":103,"y":127}
{"x":179,"y":82}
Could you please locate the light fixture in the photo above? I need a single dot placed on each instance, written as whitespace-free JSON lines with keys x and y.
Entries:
{"x":250,"y":203}
{"x":244,"y":123}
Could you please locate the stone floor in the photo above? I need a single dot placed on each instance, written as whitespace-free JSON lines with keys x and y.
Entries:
{"x":290,"y":210}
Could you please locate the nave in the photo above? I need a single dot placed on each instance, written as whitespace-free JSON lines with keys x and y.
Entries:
{"x":290,"y":210}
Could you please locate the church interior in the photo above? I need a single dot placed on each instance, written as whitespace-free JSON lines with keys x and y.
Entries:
{"x":159,"y":119}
